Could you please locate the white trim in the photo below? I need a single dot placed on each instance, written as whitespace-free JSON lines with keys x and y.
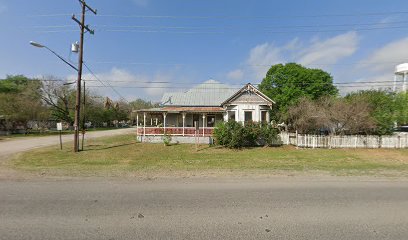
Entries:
{"x":248,"y":87}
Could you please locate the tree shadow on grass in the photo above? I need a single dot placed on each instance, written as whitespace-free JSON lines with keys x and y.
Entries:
{"x":99,"y":147}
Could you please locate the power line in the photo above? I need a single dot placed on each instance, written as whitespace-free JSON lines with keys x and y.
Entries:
{"x":255,"y":30}
{"x":356,"y":14}
{"x":102,"y":27}
{"x":231,"y":32}
{"x":98,"y":79}
{"x":237,"y":88}
{"x":250,"y":65}
{"x":200,"y":83}
{"x":187,"y":86}
{"x":355,"y":84}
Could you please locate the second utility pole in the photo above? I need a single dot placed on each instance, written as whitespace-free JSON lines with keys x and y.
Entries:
{"x":83,"y":27}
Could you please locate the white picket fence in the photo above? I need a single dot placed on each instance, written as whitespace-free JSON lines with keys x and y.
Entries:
{"x":350,"y":141}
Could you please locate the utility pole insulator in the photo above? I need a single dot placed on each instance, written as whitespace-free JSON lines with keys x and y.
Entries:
{"x":91,"y":31}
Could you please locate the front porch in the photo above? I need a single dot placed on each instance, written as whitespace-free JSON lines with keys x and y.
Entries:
{"x":174,"y":131}
{"x":178,"y":121}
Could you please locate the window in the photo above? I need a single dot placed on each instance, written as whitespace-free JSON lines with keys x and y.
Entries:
{"x":263,"y":117}
{"x":248,"y":116}
{"x":231,"y":115}
{"x":210,"y":121}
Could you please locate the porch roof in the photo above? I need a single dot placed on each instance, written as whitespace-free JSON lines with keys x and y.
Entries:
{"x":183,"y":109}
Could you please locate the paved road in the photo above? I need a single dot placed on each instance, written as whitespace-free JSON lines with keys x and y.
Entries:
{"x":13,"y":146}
{"x":250,"y":209}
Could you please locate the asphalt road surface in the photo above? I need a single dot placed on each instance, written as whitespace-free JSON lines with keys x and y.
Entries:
{"x":18,"y":145}
{"x":210,"y":209}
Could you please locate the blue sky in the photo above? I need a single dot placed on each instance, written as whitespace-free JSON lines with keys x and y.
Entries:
{"x":180,"y":42}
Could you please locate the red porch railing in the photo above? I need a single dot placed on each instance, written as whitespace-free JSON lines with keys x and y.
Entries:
{"x":177,"y":131}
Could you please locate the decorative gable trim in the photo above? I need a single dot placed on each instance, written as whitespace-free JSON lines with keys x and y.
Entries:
{"x":251,"y":89}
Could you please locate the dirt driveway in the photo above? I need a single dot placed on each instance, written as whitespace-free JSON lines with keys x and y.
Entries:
{"x":15,"y":146}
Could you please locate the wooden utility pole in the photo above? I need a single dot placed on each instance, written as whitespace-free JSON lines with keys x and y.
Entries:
{"x":83,"y":27}
{"x":83,"y":119}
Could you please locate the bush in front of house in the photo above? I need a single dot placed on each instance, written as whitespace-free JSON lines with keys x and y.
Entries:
{"x":236,"y":135}
{"x":167,"y":139}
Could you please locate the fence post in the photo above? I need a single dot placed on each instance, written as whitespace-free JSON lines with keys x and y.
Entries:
{"x":366,"y":142}
{"x":398,"y":145}
{"x":329,"y":142}
{"x":355,"y":141}
{"x":297,"y":143}
{"x":288,"y":138}
{"x":314,"y":141}
{"x":406,"y":140}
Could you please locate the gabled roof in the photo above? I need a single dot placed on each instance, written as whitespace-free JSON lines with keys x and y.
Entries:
{"x":248,"y":88}
{"x":207,"y":94}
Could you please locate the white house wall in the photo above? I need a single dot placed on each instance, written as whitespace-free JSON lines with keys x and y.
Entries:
{"x":248,"y":101}
{"x":242,"y":108}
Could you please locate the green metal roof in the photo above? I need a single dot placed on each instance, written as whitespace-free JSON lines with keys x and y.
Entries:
{"x":209,"y":93}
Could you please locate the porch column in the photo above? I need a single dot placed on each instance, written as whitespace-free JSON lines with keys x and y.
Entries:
{"x":137,"y":123}
{"x":164,"y":122}
{"x":268,"y":117}
{"x":144,"y":124}
{"x":203,"y":124}
{"x":184,"y":121}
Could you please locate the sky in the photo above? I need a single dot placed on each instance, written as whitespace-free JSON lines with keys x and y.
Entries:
{"x":143,"y":48}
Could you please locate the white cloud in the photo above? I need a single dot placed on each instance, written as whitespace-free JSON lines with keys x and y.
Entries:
{"x":316,"y":51}
{"x":331,"y":50}
{"x":236,"y":74}
{"x":141,"y":3}
{"x":388,"y":21}
{"x":384,"y":59}
{"x":378,"y":67}
{"x":263,"y":56}
{"x":293,"y":45}
{"x":130,"y":86}
{"x":382,"y":81}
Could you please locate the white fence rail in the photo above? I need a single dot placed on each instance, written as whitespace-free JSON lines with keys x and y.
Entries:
{"x":353,"y":141}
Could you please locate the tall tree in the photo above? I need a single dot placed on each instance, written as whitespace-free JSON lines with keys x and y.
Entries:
{"x":20,"y":102}
{"x":382,"y":104}
{"x":142,"y":104}
{"x":60,"y":99}
{"x":332,"y":115}
{"x":401,"y":108}
{"x":287,"y":84}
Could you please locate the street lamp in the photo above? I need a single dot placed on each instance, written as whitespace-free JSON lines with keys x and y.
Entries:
{"x":35,"y":44}
{"x":77,"y":106}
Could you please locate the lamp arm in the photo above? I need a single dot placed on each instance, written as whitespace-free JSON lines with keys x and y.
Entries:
{"x":65,"y":61}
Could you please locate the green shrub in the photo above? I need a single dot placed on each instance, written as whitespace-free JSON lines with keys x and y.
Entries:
{"x":236,"y":135}
{"x":167,"y":139}
{"x":270,"y":136}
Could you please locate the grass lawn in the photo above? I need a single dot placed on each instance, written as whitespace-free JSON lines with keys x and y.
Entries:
{"x":122,"y":155}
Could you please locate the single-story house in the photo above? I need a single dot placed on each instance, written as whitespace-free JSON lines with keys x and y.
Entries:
{"x":200,"y":108}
